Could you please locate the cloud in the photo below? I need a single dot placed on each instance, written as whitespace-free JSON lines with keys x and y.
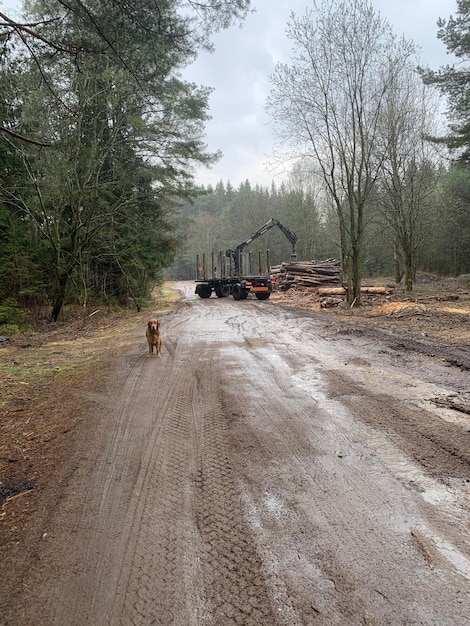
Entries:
{"x":245,"y":57}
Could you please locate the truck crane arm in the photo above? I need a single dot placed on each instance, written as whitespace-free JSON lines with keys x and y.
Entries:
{"x":292,"y":237}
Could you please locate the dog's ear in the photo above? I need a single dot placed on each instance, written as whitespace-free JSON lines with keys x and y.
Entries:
{"x":158,"y":324}
{"x":149,"y":323}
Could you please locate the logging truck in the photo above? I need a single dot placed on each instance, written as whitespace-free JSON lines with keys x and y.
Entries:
{"x":231,"y":272}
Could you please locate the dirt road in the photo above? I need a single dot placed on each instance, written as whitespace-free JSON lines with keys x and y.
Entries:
{"x":269,"y":469}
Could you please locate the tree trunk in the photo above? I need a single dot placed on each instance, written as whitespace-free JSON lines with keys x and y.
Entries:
{"x":409,"y":265}
{"x":397,"y":266}
{"x":354,"y":295}
{"x":357,"y":243}
{"x":59,"y":298}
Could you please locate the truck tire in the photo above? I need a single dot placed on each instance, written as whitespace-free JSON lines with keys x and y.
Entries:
{"x":262,"y":296}
{"x":237,"y":292}
{"x":222,"y":291}
{"x":204,"y":291}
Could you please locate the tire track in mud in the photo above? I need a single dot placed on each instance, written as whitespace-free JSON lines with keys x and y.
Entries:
{"x":332,"y":564}
{"x":234,"y":582}
{"x":85,"y":595}
{"x":193,"y":561}
{"x":155,"y":554}
{"x":299,"y":587}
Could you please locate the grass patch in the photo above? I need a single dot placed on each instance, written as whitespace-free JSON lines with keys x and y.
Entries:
{"x":164,"y":297}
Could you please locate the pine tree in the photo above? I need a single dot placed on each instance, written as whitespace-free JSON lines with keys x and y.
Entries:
{"x":453,"y":81}
{"x":123,"y":132}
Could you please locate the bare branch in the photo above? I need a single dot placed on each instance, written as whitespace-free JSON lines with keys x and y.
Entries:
{"x":16,"y":135}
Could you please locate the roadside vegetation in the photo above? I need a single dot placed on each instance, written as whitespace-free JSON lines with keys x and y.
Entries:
{"x":376,"y":181}
{"x":98,"y":138}
{"x":97,"y":198}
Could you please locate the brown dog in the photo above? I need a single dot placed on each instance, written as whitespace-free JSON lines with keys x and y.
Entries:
{"x":154,"y":337}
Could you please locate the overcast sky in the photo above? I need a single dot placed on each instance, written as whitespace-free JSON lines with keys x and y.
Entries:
{"x":239,"y":70}
{"x":244,"y":58}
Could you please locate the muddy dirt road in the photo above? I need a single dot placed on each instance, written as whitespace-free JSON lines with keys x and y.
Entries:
{"x":268,"y":470}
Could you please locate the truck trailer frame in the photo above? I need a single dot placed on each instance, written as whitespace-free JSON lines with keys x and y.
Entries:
{"x":227,"y":276}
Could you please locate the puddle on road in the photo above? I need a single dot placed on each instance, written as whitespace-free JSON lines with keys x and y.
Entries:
{"x":364,"y":446}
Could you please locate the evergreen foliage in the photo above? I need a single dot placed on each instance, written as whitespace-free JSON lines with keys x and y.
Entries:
{"x":453,"y":81}
{"x":99,"y":136}
{"x":95,"y":179}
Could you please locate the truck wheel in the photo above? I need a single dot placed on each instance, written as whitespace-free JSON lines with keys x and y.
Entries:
{"x":262,"y":296}
{"x":222,"y":291}
{"x":244,"y":295}
{"x":204,"y":291}
{"x":237,"y":292}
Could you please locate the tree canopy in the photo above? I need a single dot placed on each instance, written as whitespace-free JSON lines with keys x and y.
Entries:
{"x":329,"y":102}
{"x":96,"y":177}
{"x":453,"y":81}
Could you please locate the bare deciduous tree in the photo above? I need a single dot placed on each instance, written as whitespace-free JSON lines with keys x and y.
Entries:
{"x":327,"y":104}
{"x":409,"y":174}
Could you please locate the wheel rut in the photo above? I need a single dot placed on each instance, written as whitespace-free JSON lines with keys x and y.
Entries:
{"x":188,"y":526}
{"x":236,"y":481}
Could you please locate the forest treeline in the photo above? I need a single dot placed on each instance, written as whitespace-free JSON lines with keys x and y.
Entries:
{"x":222,"y":217}
{"x":100,"y":137}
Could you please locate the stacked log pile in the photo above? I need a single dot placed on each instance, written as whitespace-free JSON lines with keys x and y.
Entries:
{"x":306,"y":274}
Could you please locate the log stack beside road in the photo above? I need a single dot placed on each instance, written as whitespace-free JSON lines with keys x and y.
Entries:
{"x":320,"y":281}
{"x":306,"y":274}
